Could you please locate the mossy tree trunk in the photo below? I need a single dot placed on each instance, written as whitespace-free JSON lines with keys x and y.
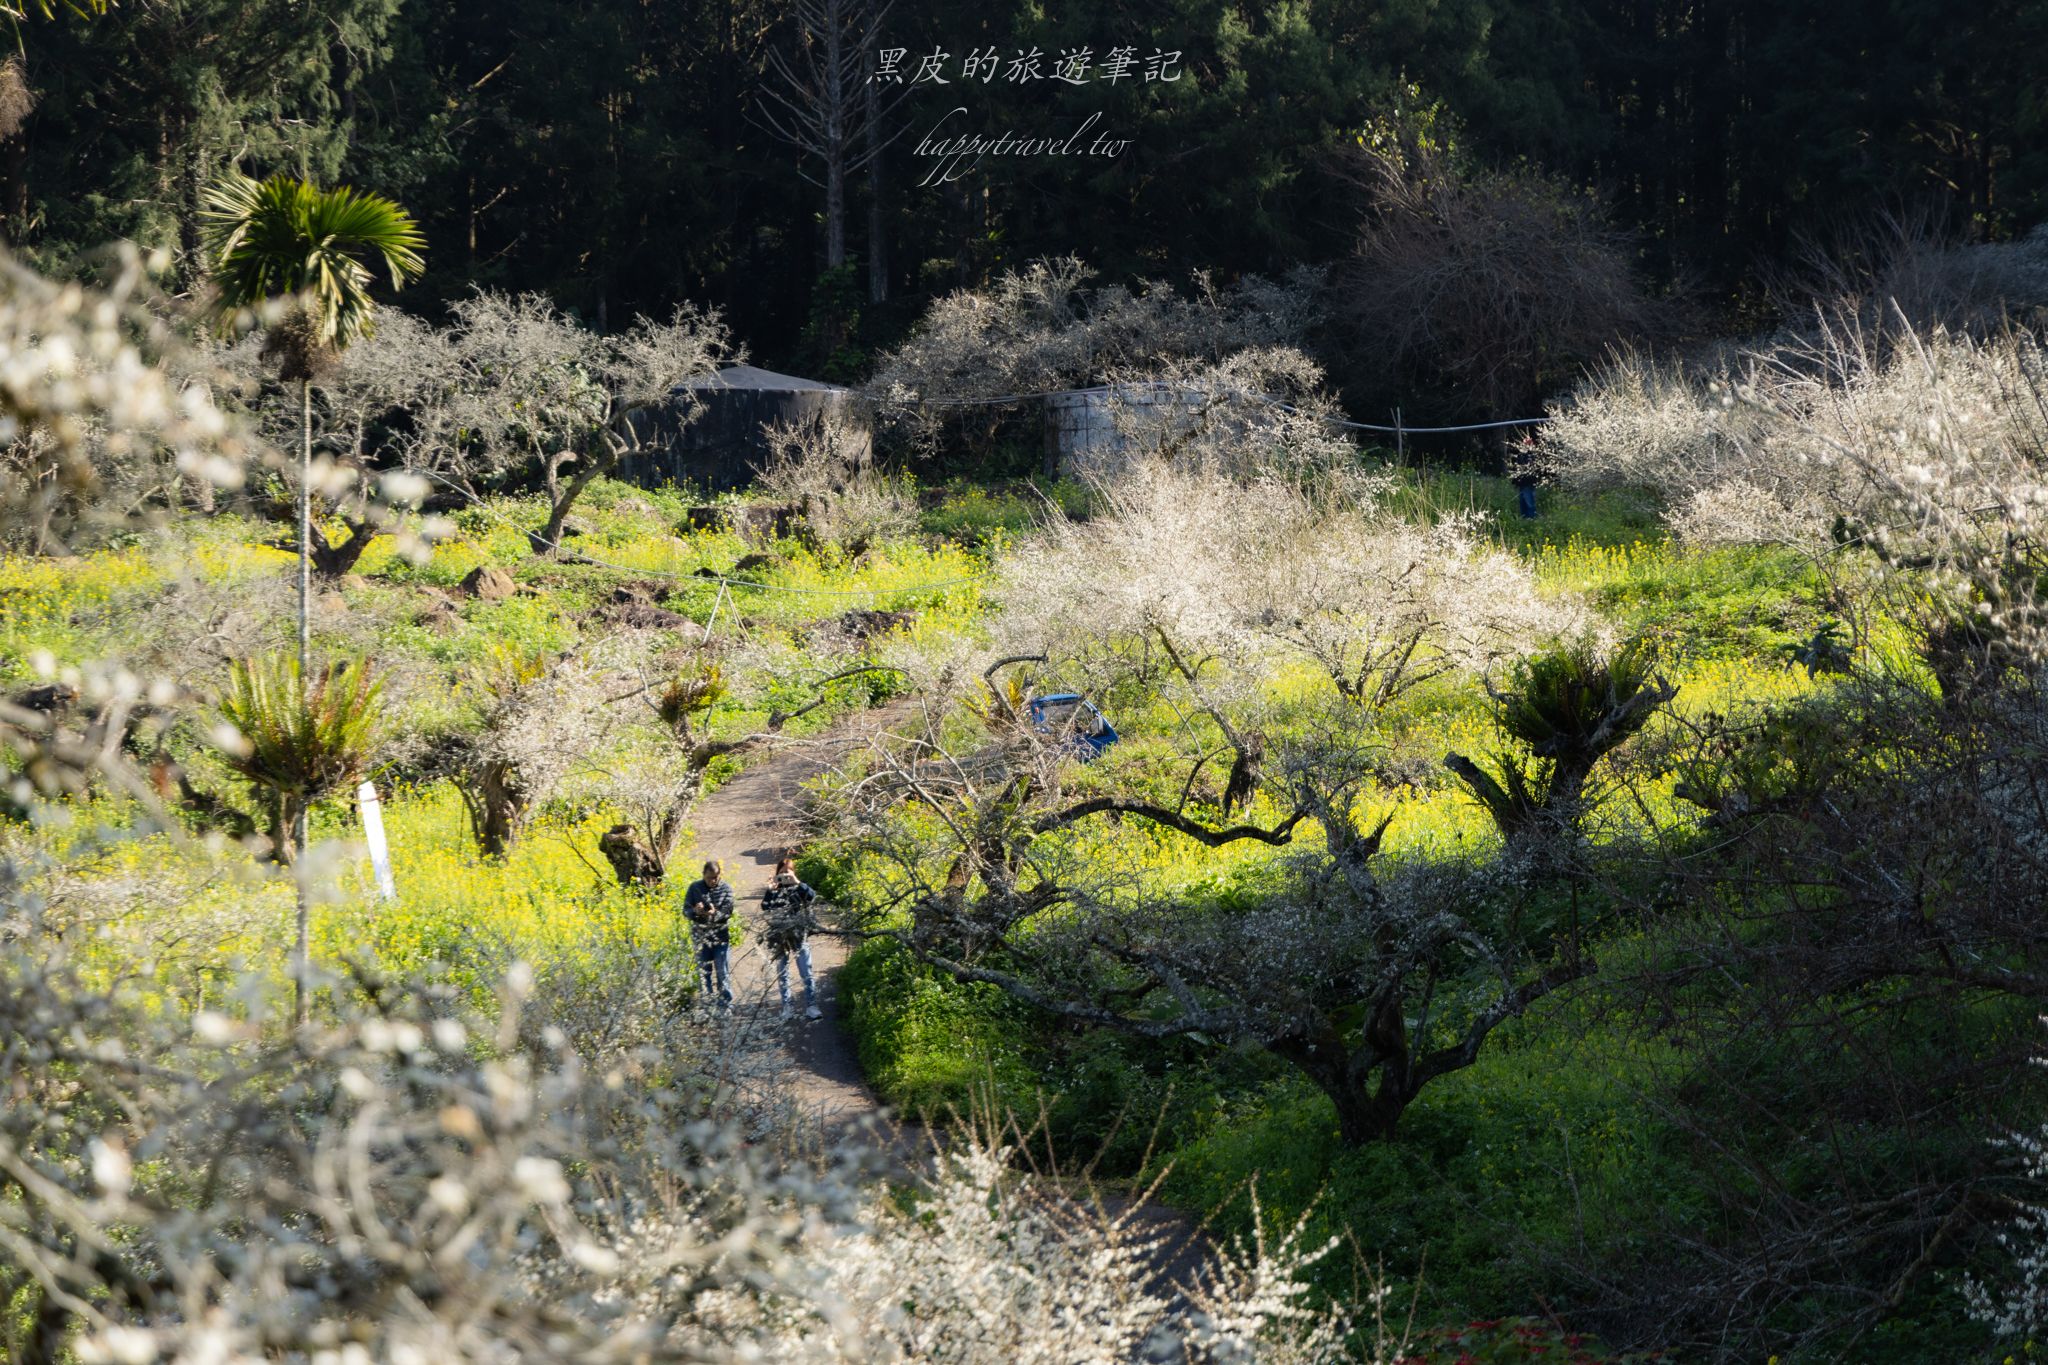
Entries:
{"x":498,"y":804}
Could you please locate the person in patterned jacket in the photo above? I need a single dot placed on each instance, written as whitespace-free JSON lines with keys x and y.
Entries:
{"x":708,"y":907}
{"x":786,"y":906}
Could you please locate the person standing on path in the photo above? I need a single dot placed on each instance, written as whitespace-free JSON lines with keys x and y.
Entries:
{"x":1526,"y":471}
{"x":708,"y":907}
{"x":786,"y":906}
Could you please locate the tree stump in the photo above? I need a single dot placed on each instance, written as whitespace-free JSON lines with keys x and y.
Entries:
{"x":635,"y":863}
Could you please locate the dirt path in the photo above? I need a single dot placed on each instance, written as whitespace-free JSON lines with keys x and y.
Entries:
{"x":746,"y":824}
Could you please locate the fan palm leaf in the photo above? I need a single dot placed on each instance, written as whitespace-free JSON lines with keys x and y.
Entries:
{"x":303,"y":742}
{"x":284,"y":238}
{"x":15,"y":13}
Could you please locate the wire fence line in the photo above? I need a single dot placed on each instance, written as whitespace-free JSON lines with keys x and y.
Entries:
{"x":1399,"y":429}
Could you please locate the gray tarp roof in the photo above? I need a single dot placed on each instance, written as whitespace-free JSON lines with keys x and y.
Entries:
{"x":752,"y":377}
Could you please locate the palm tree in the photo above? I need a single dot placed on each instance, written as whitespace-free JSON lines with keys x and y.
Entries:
{"x":302,"y":740}
{"x":285,"y":242}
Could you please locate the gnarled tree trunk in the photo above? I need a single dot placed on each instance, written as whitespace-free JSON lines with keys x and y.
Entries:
{"x":334,"y":560}
{"x":497,"y":806}
{"x":632,"y":860}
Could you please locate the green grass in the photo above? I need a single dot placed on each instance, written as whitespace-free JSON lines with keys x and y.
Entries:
{"x":1537,"y":1151}
{"x":978,"y":515}
{"x":927,"y":1044}
{"x":553,"y":900}
{"x":1550,"y":1154}
{"x":1509,"y":1183}
{"x":1422,"y":493}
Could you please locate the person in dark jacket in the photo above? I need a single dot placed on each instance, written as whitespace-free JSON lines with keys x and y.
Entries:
{"x":786,"y":906}
{"x":708,"y":907}
{"x":1526,"y":471}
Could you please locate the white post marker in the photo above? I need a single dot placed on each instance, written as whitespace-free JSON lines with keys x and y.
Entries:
{"x":373,"y":831}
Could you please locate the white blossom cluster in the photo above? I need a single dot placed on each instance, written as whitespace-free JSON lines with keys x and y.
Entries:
{"x":825,"y":466}
{"x":1274,"y":568}
{"x":71,"y":359}
{"x":1930,"y":451}
{"x":90,"y":409}
{"x":994,"y":1265}
{"x":1043,"y":328}
{"x":1258,"y":409}
{"x":2019,"y":1307}
{"x":1776,"y":444}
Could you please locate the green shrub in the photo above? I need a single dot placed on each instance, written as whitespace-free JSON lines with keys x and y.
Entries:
{"x":301,"y":741}
{"x":973,"y":514}
{"x":928,"y":1044}
{"x":1537,"y":1155}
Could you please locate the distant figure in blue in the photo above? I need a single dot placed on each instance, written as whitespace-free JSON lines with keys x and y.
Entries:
{"x":708,"y":907}
{"x":1522,"y":469}
{"x":786,"y":906}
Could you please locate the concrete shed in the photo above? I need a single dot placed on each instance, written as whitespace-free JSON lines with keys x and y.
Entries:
{"x":1089,"y":431}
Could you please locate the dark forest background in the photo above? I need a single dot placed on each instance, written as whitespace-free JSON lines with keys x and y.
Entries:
{"x":612,"y":153}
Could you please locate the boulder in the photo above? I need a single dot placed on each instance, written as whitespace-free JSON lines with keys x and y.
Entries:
{"x":863,"y":623}
{"x":488,"y":583}
{"x":763,"y":523}
{"x":644,"y":591}
{"x":629,"y":606}
{"x":645,"y":616}
{"x":439,"y":616}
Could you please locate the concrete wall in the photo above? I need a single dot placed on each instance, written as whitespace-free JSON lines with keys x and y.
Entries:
{"x":1082,"y":432}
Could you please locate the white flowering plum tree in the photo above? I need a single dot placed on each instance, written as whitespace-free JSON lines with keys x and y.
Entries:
{"x":369,"y":403}
{"x":1045,"y":327}
{"x":1206,"y":589}
{"x":824,"y":466}
{"x":1922,"y":458}
{"x":534,"y":387}
{"x":532,"y":718}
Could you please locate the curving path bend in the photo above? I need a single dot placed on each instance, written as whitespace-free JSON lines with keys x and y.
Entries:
{"x":746,"y":824}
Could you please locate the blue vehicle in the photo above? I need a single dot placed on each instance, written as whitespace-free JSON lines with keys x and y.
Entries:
{"x":1074,"y":718}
